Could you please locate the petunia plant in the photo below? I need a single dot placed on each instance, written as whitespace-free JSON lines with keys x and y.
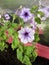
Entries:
{"x":20,"y":31}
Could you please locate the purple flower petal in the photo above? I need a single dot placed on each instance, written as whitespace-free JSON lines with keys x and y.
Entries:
{"x":6,"y":16}
{"x":45,"y":10}
{"x":26,"y":35}
{"x":25,"y":14}
{"x":33,"y":24}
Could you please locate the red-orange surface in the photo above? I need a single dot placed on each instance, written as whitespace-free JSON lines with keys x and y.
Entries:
{"x":43,"y":51}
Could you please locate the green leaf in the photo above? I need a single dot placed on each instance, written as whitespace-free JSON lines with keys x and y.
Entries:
{"x":34,"y":54}
{"x":21,"y":22}
{"x":20,"y":55}
{"x":40,"y":13}
{"x":16,"y":41}
{"x":2,"y":47}
{"x":37,"y":38}
{"x":4,"y":37}
{"x":15,"y":44}
{"x":7,"y":23}
{"x":29,"y":50}
{"x":6,"y":45}
{"x":21,"y":48}
{"x":14,"y":25}
{"x":11,"y":30}
{"x":34,"y":9}
{"x":38,"y":20}
{"x":26,"y":60}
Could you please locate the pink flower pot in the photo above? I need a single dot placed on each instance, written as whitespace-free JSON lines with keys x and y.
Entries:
{"x":42,"y":51}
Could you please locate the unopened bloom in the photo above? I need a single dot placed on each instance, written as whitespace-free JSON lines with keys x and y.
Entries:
{"x":26,"y":35}
{"x":25,"y":14}
{"x":6,"y":16}
{"x":33,"y":24}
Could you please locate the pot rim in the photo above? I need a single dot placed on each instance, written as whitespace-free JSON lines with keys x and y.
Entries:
{"x":42,"y":50}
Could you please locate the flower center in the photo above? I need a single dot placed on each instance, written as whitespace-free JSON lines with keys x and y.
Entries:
{"x":7,"y":16}
{"x":26,"y":14}
{"x":26,"y":33}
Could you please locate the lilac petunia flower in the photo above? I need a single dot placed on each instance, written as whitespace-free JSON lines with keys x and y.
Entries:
{"x":26,"y":35}
{"x":6,"y":16}
{"x":45,"y":10}
{"x":25,"y":14}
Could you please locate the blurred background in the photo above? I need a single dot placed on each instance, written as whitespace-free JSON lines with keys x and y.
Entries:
{"x":11,"y":5}
{"x":14,"y":4}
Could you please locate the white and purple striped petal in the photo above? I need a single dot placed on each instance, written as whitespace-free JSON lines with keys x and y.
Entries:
{"x":6,"y":16}
{"x":26,"y":35}
{"x":25,"y":14}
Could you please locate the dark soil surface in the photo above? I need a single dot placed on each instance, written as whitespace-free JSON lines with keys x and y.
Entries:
{"x":8,"y":57}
